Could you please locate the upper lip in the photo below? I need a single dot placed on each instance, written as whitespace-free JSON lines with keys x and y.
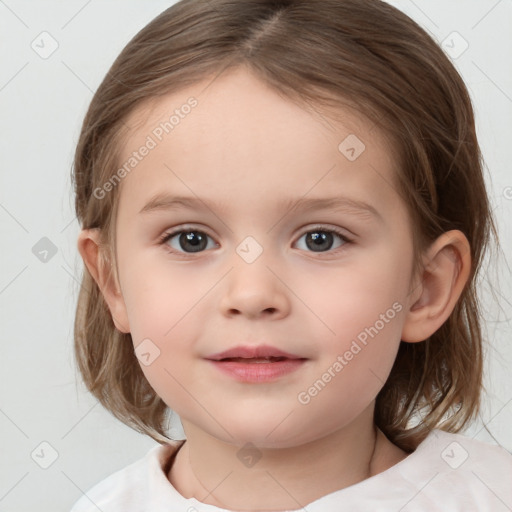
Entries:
{"x":252,"y":352}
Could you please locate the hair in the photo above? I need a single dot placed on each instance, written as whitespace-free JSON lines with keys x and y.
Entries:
{"x":363,"y":54}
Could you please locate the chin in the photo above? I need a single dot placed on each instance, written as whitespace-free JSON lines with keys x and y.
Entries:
{"x":264,"y":434}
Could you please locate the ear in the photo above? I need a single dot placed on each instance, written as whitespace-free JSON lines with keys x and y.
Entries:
{"x":446,"y":269}
{"x":102,"y":272}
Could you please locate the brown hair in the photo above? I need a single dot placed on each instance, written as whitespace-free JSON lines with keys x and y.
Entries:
{"x":362,"y":53}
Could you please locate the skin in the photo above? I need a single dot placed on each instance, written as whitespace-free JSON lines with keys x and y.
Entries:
{"x":246,"y":155}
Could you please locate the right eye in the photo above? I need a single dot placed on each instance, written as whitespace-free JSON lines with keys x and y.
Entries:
{"x":187,"y":240}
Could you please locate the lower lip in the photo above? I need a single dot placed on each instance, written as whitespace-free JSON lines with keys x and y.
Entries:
{"x":258,"y":372}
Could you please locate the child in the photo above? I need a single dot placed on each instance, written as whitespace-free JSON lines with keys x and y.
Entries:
{"x":305,"y":377}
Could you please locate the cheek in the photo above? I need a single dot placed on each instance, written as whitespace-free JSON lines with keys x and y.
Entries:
{"x":158,"y":296}
{"x":361,"y":308}
{"x":162,"y":305}
{"x":349,"y":299}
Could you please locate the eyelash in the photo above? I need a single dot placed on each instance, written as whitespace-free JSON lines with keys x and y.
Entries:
{"x":187,"y":229}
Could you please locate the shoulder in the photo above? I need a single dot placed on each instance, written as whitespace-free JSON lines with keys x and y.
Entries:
{"x":463,"y":473}
{"x":127,"y":490}
{"x":458,"y":451}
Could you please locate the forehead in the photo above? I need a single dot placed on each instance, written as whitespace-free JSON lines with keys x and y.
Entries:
{"x":222,"y":102}
{"x":235,"y":128}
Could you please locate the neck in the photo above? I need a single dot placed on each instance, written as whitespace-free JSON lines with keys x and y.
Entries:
{"x":210,"y":470}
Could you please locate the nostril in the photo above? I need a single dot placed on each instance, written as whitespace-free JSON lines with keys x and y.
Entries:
{"x":235,"y":311}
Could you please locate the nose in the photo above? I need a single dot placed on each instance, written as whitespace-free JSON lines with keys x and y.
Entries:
{"x":254,"y":291}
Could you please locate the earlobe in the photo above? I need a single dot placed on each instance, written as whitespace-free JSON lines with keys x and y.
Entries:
{"x":100,"y":268}
{"x":446,"y":269}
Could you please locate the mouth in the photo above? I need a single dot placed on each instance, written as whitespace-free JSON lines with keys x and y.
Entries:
{"x":256,"y":364}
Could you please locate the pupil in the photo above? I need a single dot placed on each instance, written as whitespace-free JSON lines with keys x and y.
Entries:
{"x":319,"y":240}
{"x":197,"y":241}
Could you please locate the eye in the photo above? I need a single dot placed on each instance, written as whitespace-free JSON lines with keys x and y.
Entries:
{"x":187,"y":240}
{"x":190,"y":240}
{"x":322,"y":240}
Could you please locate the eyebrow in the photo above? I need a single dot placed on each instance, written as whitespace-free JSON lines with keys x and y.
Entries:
{"x":166,"y":202}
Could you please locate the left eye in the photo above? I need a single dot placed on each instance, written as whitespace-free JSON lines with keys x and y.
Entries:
{"x":322,"y":240}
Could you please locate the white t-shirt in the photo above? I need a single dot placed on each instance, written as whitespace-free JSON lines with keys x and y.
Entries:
{"x":447,"y":472}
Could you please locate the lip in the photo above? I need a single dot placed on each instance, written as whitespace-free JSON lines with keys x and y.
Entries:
{"x":253,"y":371}
{"x":258,"y":372}
{"x":251,"y":352}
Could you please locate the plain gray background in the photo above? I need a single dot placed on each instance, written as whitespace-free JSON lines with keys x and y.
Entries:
{"x":43,"y":99}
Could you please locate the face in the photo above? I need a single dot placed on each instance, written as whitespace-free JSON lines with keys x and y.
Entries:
{"x":289,"y":233}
